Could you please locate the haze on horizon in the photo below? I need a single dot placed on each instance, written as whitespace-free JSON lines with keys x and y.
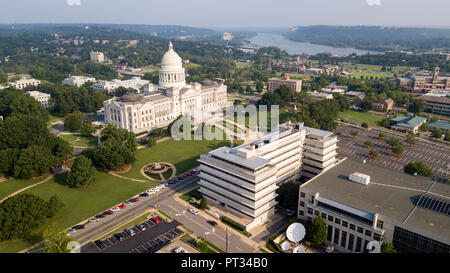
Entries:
{"x":230,"y":13}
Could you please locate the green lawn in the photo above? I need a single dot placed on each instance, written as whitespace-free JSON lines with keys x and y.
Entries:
{"x":374,"y":75}
{"x":360,"y":117}
{"x":375,"y":68}
{"x":10,"y":186}
{"x":78,"y":140}
{"x":81,"y":204}
{"x":183,"y":154}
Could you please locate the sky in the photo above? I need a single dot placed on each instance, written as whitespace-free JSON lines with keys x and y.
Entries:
{"x":230,"y":13}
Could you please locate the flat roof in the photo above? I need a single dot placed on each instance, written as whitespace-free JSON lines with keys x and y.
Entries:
{"x":317,"y":132}
{"x":440,"y":124}
{"x":228,"y":154}
{"x":390,"y":193}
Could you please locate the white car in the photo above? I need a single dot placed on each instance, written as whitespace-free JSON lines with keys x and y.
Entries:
{"x":151,"y":192}
{"x":115,"y":209}
{"x":166,"y":184}
{"x":193,"y":211}
{"x":128,"y":203}
{"x":156,"y":189}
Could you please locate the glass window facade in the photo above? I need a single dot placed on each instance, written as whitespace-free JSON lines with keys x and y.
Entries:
{"x":409,"y":242}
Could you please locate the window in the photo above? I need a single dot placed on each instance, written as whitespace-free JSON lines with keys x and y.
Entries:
{"x":301,"y":212}
{"x":360,"y":230}
{"x":336,"y":236}
{"x":358,"y":244}
{"x":352,"y":226}
{"x":351,"y":241}
{"x":337,"y":221}
{"x":324,"y":216}
{"x":368,"y":233}
{"x":380,"y":224}
{"x":344,"y":224}
{"x":309,"y":219}
{"x":302,"y":204}
{"x":310,"y":211}
{"x":329,"y":233}
{"x":302,"y":194}
{"x":343,"y":238}
{"x":330,"y":218}
{"x":316,"y":212}
{"x":376,"y":236}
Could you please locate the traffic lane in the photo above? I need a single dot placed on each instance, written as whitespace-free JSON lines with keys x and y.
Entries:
{"x":199,"y":225}
{"x":95,"y":229}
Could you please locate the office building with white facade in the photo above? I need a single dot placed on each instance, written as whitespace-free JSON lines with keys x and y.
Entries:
{"x":320,"y":150}
{"x":162,"y":103}
{"x":43,"y":98}
{"x":96,"y":56}
{"x":110,"y":86}
{"x":361,"y":202}
{"x":22,"y":83}
{"x":77,"y":81}
{"x":243,"y":180}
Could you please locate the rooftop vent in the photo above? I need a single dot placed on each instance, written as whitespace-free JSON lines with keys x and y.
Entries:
{"x":360,"y":178}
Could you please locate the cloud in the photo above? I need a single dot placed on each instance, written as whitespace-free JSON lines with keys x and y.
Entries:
{"x":373,"y":2}
{"x":77,"y":2}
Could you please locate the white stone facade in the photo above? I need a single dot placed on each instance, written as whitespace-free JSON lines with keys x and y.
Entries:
{"x":43,"y":98}
{"x":162,"y":103}
{"x":78,"y":81}
{"x":22,"y":83}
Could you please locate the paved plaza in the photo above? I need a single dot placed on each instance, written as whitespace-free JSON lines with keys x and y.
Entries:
{"x":434,"y":156}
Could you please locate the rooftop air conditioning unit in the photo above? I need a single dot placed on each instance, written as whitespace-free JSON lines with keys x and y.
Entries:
{"x":360,"y":178}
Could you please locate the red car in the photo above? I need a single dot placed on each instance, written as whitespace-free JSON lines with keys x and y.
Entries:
{"x":108,"y":212}
{"x":191,"y":172}
{"x":122,"y":206}
{"x":134,"y":200}
{"x":156,"y":220}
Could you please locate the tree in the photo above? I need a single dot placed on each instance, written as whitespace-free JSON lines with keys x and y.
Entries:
{"x":203,"y":203}
{"x":373,"y":153}
{"x":388,"y":247}
{"x":364,"y":125}
{"x":368,"y":144}
{"x":392,"y":141}
{"x":34,"y":161}
{"x":411,"y":139}
{"x":436,"y":133}
{"x":288,"y":195}
{"x":72,"y":122}
{"x":56,"y":242}
{"x":447,"y":136}
{"x":418,"y":168}
{"x":416,"y":107}
{"x":354,"y":133}
{"x":87,"y":129}
{"x":381,"y":135}
{"x":318,"y":230}
{"x":82,"y":173}
{"x":397,"y":149}
{"x":366,"y":105}
{"x":423,"y":127}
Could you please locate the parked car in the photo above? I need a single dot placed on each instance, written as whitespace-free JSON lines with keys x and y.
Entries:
{"x":193,"y":211}
{"x":134,"y":200}
{"x":119,"y":237}
{"x":100,"y":216}
{"x":191,"y":172}
{"x":108,"y":212}
{"x":151,"y":192}
{"x":115,"y":209}
{"x":172,"y":181}
{"x":144,"y":194}
{"x":77,"y":227}
{"x":156,"y":220}
{"x":290,"y":212}
{"x":166,"y":184}
{"x":100,"y":244}
{"x":140,"y":227}
{"x":130,"y":231}
{"x":329,"y":249}
{"x":122,"y":206}
{"x":212,"y":223}
{"x":179,"y":250}
{"x":94,"y":219}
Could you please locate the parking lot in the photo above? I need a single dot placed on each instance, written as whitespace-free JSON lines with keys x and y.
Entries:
{"x":153,"y":238}
{"x":434,"y":156}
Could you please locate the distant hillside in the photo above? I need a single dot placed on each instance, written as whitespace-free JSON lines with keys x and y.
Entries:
{"x":167,"y":31}
{"x":372,"y":37}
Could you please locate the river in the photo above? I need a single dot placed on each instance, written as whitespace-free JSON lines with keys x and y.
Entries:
{"x":278,"y":40}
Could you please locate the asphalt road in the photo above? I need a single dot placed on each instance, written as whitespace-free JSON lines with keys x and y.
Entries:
{"x":93,"y":230}
{"x":434,"y":156}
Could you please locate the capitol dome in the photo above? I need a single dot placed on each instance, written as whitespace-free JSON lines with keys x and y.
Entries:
{"x":171,"y":60}
{"x":172,"y":73}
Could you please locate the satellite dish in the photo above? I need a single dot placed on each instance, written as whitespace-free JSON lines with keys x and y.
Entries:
{"x":286,"y":246}
{"x":298,"y":249}
{"x":373,"y":247}
{"x":295,"y":232}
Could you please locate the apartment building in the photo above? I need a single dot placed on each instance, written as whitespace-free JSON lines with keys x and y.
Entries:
{"x":362,"y":202}
{"x":77,"y":81}
{"x":436,"y":105}
{"x":96,"y":56}
{"x":43,"y":98}
{"x":243,"y":180}
{"x":320,"y":150}
{"x":294,"y":85}
{"x":22,"y":83}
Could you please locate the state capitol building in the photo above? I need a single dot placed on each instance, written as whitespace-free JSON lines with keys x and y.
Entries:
{"x":162,"y":103}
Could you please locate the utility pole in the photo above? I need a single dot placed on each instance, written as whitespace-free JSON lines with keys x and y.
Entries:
{"x":226,"y":240}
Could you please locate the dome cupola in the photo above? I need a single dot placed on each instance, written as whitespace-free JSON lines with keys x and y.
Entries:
{"x":172,"y":71}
